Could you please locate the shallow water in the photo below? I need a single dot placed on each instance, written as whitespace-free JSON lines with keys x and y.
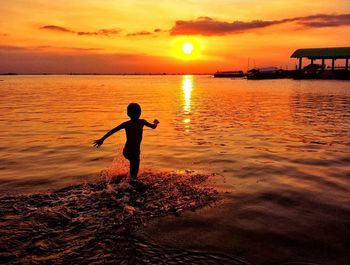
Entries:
{"x":97,"y":222}
{"x":281,"y":146}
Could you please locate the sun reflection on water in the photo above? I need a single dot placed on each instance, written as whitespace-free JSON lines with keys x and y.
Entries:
{"x":187,"y":85}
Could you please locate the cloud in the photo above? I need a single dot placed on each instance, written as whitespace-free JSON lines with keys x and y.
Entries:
{"x":101,"y":32}
{"x":147,"y":33}
{"x":210,"y":27}
{"x":46,"y":48}
{"x":57,"y":28}
{"x":160,"y":30}
{"x":139,"y":33}
{"x":323,"y":20}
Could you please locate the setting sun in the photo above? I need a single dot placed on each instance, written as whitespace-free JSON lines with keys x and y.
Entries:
{"x":187,"y":48}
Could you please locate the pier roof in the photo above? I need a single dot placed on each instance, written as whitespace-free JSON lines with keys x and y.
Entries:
{"x":323,"y":53}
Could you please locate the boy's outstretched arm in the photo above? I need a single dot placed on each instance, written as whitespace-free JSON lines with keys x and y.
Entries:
{"x":153,"y":126}
{"x":99,"y":142}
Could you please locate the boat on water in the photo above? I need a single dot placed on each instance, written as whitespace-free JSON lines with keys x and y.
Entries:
{"x":267,"y":73}
{"x":230,"y":74}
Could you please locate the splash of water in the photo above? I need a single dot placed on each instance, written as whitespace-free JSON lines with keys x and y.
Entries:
{"x":95,"y":222}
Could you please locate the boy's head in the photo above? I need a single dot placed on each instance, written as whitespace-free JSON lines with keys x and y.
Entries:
{"x":134,"y":111}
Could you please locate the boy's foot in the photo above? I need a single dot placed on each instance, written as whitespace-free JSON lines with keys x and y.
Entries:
{"x":133,"y":182}
{"x":138,"y":185}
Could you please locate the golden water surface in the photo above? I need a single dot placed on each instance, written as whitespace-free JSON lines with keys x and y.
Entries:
{"x":279,"y":148}
{"x":256,"y":134}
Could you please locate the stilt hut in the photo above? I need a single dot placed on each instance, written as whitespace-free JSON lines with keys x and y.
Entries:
{"x":323,"y":54}
{"x":319,"y":70}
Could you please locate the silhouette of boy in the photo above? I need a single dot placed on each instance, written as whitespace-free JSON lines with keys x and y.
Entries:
{"x":133,"y":129}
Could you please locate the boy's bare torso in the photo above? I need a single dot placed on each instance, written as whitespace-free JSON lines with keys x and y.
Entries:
{"x":133,"y":130}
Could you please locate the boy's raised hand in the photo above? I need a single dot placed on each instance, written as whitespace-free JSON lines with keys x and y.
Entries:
{"x":156,"y":122}
{"x":98,"y":143}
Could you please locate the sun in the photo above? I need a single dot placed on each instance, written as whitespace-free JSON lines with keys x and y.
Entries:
{"x":187,"y":48}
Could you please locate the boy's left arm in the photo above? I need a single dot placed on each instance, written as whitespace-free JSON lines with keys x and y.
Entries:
{"x":150,"y":125}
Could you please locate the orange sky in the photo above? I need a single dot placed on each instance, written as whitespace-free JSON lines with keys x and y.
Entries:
{"x":117,"y":36}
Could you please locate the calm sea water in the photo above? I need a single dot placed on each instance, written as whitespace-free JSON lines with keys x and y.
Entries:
{"x":281,"y":148}
{"x":257,"y":134}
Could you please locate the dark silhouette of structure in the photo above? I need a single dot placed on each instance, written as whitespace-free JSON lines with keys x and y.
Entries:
{"x":319,"y":70}
{"x":134,"y":130}
{"x":231,"y":74}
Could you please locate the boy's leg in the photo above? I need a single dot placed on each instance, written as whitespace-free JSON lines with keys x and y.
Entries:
{"x":134,"y":159}
{"x":134,"y":167}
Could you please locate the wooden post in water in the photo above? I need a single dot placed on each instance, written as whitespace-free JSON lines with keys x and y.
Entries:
{"x":323,"y":65}
{"x":333,"y":60}
{"x":300,"y":62}
{"x":347,"y":64}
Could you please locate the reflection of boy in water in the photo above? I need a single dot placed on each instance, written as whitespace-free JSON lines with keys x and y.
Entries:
{"x":133,"y":129}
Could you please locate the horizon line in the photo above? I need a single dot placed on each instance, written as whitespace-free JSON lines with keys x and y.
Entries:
{"x":14,"y":73}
